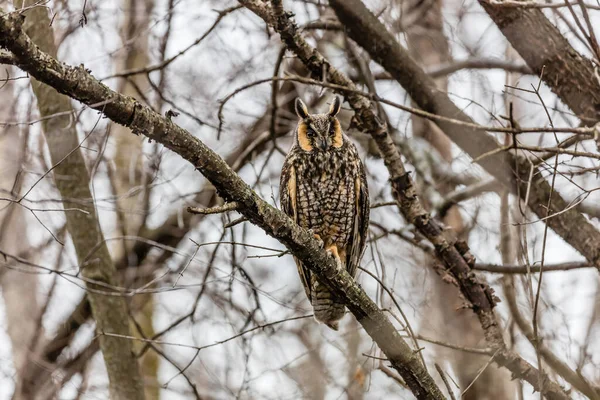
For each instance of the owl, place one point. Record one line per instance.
(323, 188)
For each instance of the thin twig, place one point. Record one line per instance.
(214, 210)
(443, 376)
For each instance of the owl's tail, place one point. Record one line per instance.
(328, 310)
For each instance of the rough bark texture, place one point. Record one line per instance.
(72, 180)
(363, 27)
(548, 53)
(79, 84)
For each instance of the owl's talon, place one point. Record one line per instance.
(333, 252)
(321, 243)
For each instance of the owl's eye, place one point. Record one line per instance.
(310, 133)
(332, 130)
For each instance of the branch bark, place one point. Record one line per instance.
(79, 84)
(6, 58)
(109, 312)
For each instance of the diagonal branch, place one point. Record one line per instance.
(80, 85)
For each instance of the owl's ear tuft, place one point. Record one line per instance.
(301, 109)
(334, 109)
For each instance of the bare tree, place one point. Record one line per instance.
(147, 147)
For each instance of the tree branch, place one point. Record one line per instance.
(450, 68)
(6, 57)
(526, 269)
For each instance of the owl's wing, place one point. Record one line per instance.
(360, 227)
(287, 199)
(287, 190)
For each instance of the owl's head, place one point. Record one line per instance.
(319, 132)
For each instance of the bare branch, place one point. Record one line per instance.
(214, 210)
(524, 269)
(6, 58)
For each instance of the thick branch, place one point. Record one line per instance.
(79, 84)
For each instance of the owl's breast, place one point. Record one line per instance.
(326, 195)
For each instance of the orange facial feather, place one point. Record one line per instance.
(303, 138)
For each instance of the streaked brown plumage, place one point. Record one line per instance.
(323, 187)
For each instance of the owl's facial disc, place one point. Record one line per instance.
(319, 134)
(335, 133)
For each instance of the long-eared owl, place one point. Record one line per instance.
(323, 187)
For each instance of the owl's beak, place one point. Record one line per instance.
(322, 143)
